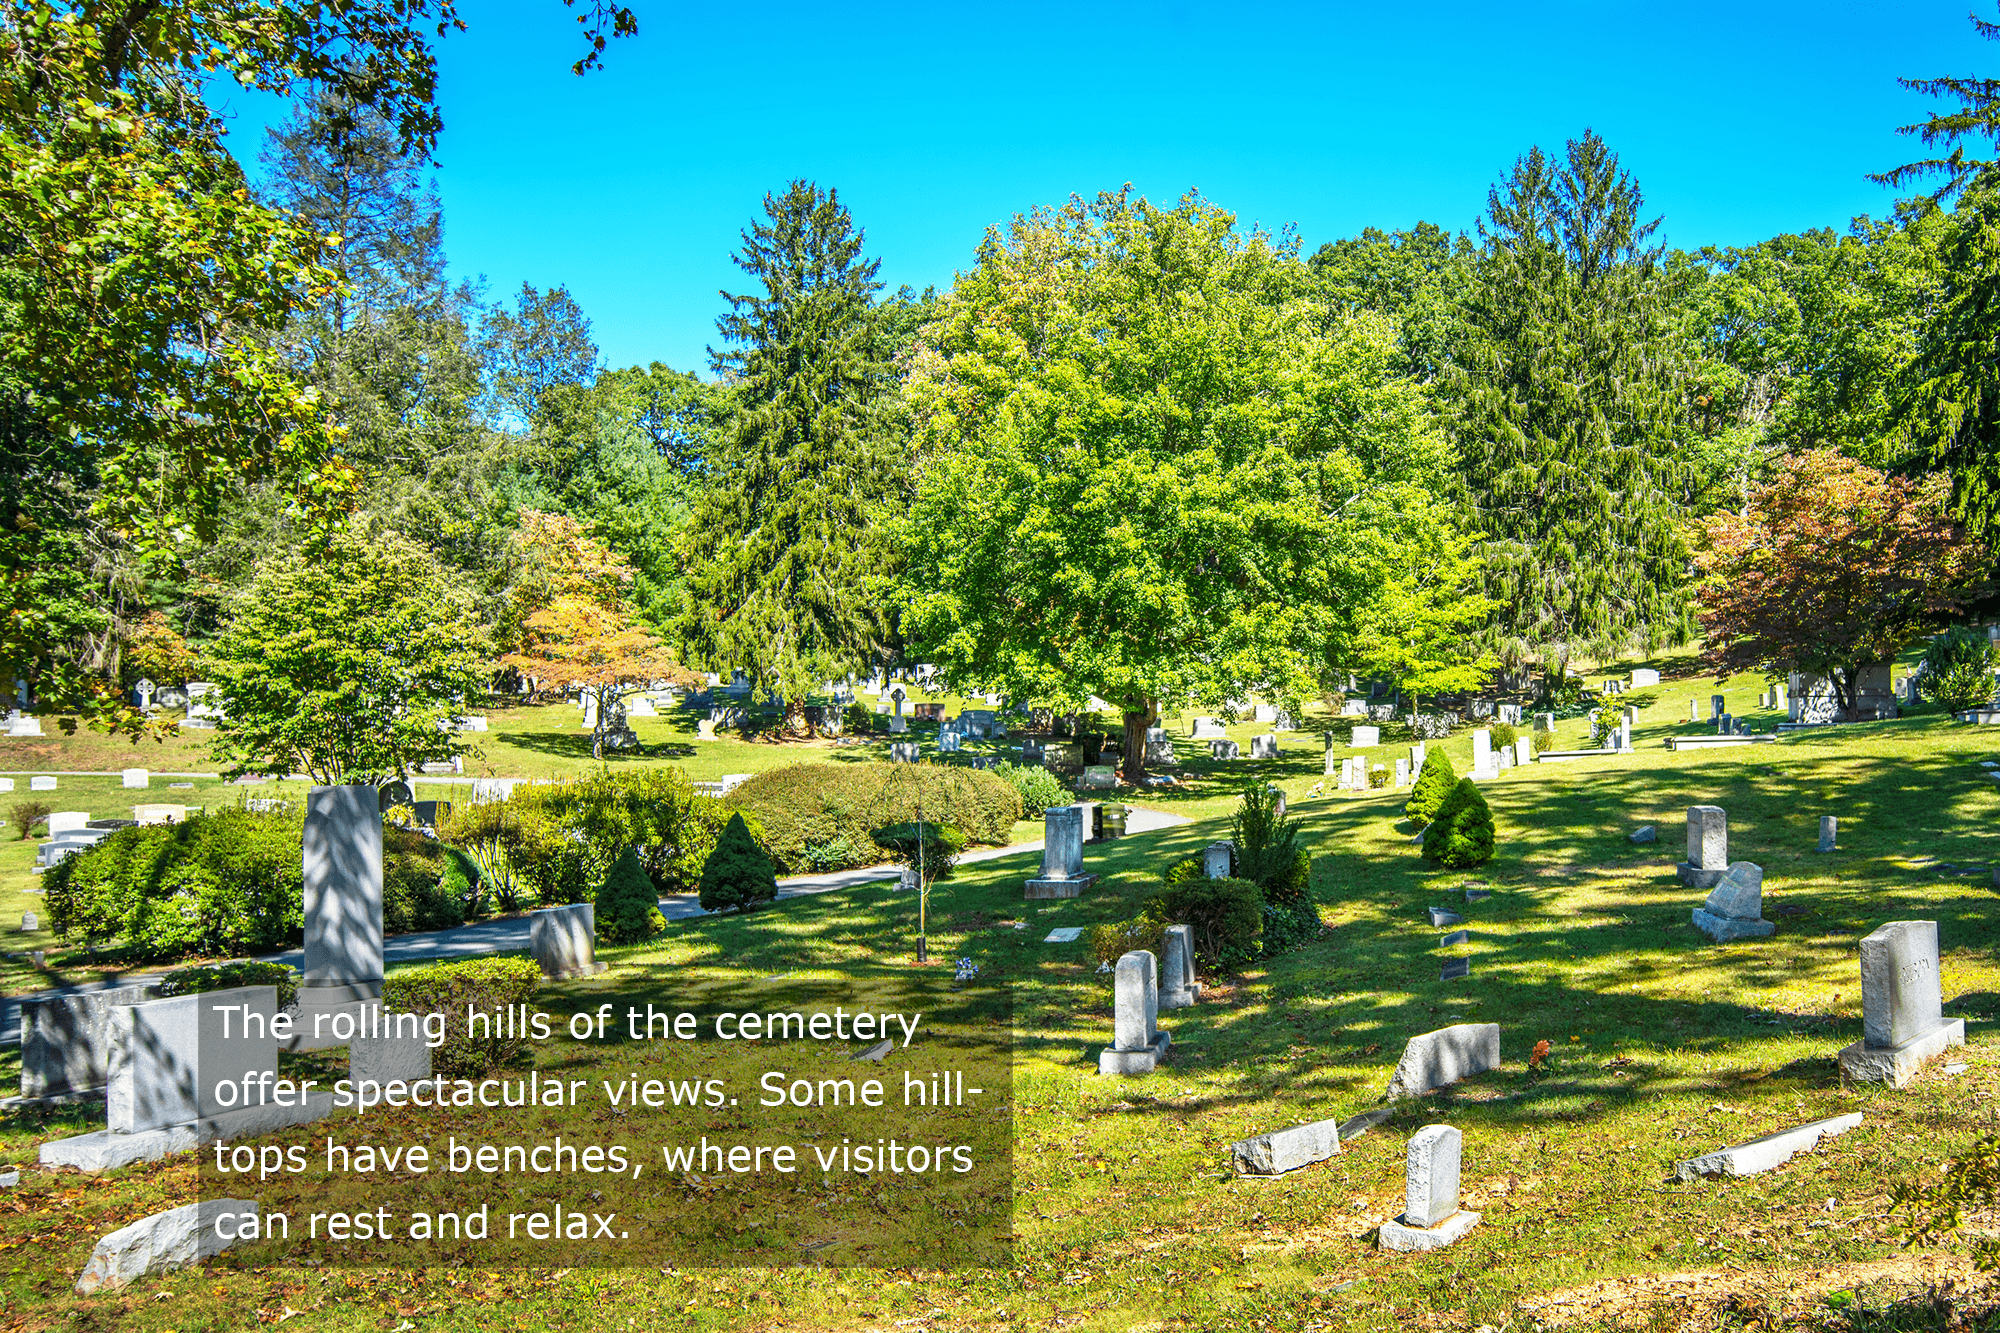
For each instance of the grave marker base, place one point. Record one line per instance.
(1072, 887)
(1180, 997)
(1397, 1236)
(103, 1150)
(1285, 1150)
(1895, 1065)
(1747, 1159)
(1722, 929)
(1111, 1060)
(1696, 878)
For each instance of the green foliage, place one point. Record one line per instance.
(413, 894)
(1183, 870)
(827, 806)
(202, 979)
(26, 816)
(1423, 631)
(1462, 834)
(1227, 916)
(1040, 789)
(347, 663)
(1435, 782)
(1112, 940)
(738, 875)
(1288, 925)
(930, 848)
(1544, 741)
(486, 985)
(220, 884)
(1571, 409)
(1958, 670)
(1504, 735)
(1268, 852)
(628, 906)
(1174, 471)
(783, 551)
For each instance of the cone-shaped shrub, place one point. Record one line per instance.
(737, 873)
(628, 906)
(1434, 783)
(1462, 833)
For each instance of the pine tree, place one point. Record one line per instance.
(1434, 783)
(784, 553)
(628, 905)
(1570, 410)
(1462, 834)
(737, 873)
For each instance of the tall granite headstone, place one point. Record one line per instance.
(1062, 855)
(1902, 1006)
(1707, 847)
(1137, 1042)
(342, 851)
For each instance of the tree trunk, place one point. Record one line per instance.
(1136, 723)
(1847, 689)
(795, 715)
(597, 731)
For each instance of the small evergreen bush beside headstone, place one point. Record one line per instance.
(1462, 834)
(487, 985)
(738, 875)
(628, 905)
(1434, 784)
(1227, 916)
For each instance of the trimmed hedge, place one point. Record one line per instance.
(1227, 916)
(226, 883)
(483, 984)
(1462, 834)
(413, 897)
(1039, 789)
(820, 815)
(201, 980)
(1433, 784)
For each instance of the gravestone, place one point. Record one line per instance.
(1032, 754)
(167, 1241)
(948, 742)
(1329, 770)
(1218, 860)
(1761, 1154)
(1062, 855)
(1707, 847)
(1456, 937)
(899, 725)
(142, 694)
(1402, 772)
(1545, 722)
(1364, 737)
(1285, 1150)
(1264, 747)
(1137, 1042)
(66, 1039)
(1455, 969)
(1264, 713)
(1642, 677)
(1443, 916)
(1438, 1059)
(1829, 832)
(1735, 908)
(1482, 753)
(1206, 729)
(42, 782)
(1224, 749)
(1524, 750)
(1098, 777)
(1510, 714)
(903, 752)
(342, 863)
(65, 821)
(6, 784)
(1693, 714)
(1092, 821)
(1716, 704)
(563, 941)
(1902, 1006)
(1431, 1216)
(1178, 988)
(134, 778)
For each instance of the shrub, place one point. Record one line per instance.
(486, 985)
(1226, 914)
(1378, 776)
(1433, 784)
(1039, 789)
(1112, 940)
(27, 814)
(934, 848)
(1462, 834)
(1503, 735)
(200, 980)
(821, 806)
(628, 906)
(413, 898)
(1288, 926)
(1958, 670)
(1183, 870)
(226, 883)
(738, 874)
(1544, 740)
(1267, 846)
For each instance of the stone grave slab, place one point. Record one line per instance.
(1433, 1060)
(1761, 1154)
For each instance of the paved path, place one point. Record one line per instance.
(510, 934)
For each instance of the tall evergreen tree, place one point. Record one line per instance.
(1570, 412)
(783, 552)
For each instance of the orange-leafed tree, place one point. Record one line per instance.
(571, 623)
(1832, 568)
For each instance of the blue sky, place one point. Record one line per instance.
(935, 121)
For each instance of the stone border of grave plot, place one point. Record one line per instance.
(1762, 1154)
(1716, 742)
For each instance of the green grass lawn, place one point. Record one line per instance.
(1126, 1214)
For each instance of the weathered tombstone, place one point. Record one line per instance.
(1098, 777)
(1642, 677)
(1902, 1006)
(1510, 714)
(1441, 916)
(6, 784)
(948, 742)
(1735, 908)
(1264, 713)
(1264, 747)
(142, 694)
(1218, 860)
(1829, 832)
(899, 725)
(66, 1039)
(64, 821)
(1693, 714)
(1365, 737)
(563, 941)
(1178, 988)
(42, 782)
(342, 865)
(1417, 753)
(134, 778)
(29, 921)
(1062, 855)
(1524, 750)
(902, 752)
(1761, 1154)
(1707, 847)
(1402, 772)
(1137, 1042)
(1455, 969)
(1438, 1059)
(1545, 722)
(1625, 735)
(1206, 729)
(166, 1241)
(1482, 753)
(1285, 1150)
(1716, 704)
(1329, 770)
(1224, 749)
(1431, 1216)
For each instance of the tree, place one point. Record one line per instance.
(1419, 278)
(737, 875)
(628, 906)
(1835, 567)
(1423, 630)
(1957, 670)
(540, 348)
(348, 662)
(784, 556)
(1570, 413)
(1435, 782)
(1154, 465)
(572, 626)
(1462, 834)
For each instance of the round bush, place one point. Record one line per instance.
(804, 813)
(628, 906)
(1957, 670)
(1039, 789)
(1462, 834)
(1227, 915)
(738, 874)
(453, 989)
(1434, 783)
(229, 976)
